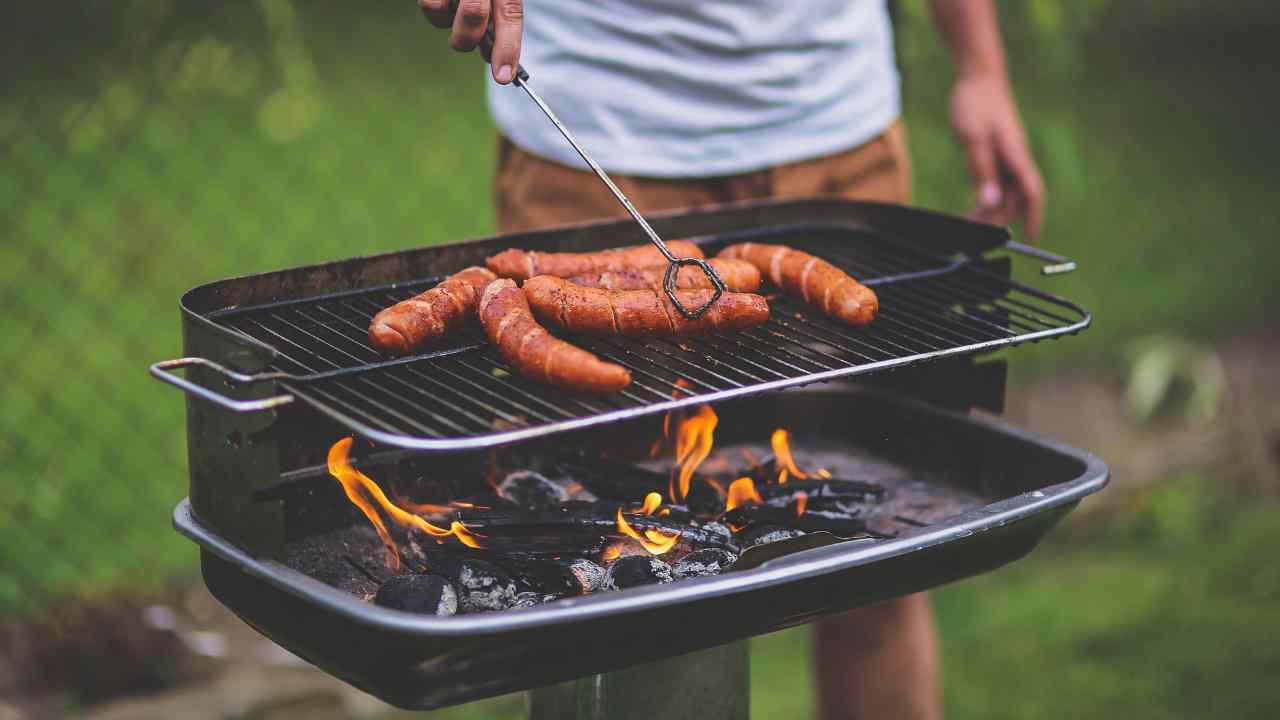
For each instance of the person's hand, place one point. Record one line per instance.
(1005, 176)
(468, 20)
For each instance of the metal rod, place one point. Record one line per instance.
(1058, 266)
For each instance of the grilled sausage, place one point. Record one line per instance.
(523, 264)
(738, 276)
(425, 318)
(820, 283)
(535, 353)
(636, 313)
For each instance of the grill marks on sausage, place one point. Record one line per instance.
(639, 313)
(738, 276)
(423, 319)
(815, 280)
(524, 264)
(535, 353)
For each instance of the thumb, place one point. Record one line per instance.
(986, 180)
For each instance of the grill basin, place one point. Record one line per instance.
(426, 662)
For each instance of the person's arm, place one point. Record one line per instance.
(984, 115)
(469, 22)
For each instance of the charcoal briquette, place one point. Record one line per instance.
(532, 490)
(483, 586)
(765, 534)
(700, 563)
(426, 594)
(636, 570)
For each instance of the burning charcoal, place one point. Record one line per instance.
(612, 479)
(559, 577)
(851, 492)
(598, 518)
(833, 521)
(532, 490)
(528, 600)
(427, 594)
(636, 570)
(483, 586)
(765, 534)
(700, 563)
(719, 530)
(703, 500)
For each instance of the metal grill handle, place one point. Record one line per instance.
(1059, 265)
(162, 371)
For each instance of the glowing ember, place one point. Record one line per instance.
(741, 492)
(360, 489)
(656, 542)
(694, 439)
(781, 442)
(802, 501)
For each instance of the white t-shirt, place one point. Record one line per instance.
(700, 88)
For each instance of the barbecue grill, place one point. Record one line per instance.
(278, 367)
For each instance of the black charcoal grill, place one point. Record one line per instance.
(278, 368)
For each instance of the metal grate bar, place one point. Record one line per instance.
(464, 395)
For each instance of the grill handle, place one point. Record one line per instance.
(1058, 265)
(163, 371)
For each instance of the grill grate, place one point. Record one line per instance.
(464, 395)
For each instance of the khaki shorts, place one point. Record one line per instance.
(530, 192)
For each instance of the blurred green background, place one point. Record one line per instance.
(147, 146)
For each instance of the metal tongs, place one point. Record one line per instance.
(521, 80)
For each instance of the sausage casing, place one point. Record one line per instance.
(523, 264)
(638, 313)
(820, 283)
(423, 319)
(536, 353)
(738, 276)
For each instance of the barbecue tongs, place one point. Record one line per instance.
(521, 80)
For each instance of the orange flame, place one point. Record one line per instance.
(611, 553)
(681, 385)
(652, 502)
(656, 542)
(694, 438)
(802, 502)
(741, 492)
(357, 485)
(781, 442)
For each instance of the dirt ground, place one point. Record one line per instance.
(232, 672)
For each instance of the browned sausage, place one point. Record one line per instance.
(425, 318)
(536, 353)
(738, 276)
(523, 264)
(637, 313)
(820, 283)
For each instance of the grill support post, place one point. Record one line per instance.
(712, 684)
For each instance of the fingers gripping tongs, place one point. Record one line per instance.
(521, 80)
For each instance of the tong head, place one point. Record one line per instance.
(669, 282)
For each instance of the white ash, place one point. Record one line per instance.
(527, 600)
(701, 563)
(590, 575)
(636, 570)
(426, 594)
(719, 529)
(532, 490)
(771, 535)
(484, 587)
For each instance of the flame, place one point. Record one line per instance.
(802, 501)
(741, 492)
(652, 502)
(611, 553)
(656, 542)
(358, 485)
(681, 385)
(694, 439)
(824, 473)
(781, 442)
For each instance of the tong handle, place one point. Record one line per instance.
(163, 371)
(1058, 264)
(486, 45)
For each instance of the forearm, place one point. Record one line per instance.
(972, 31)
